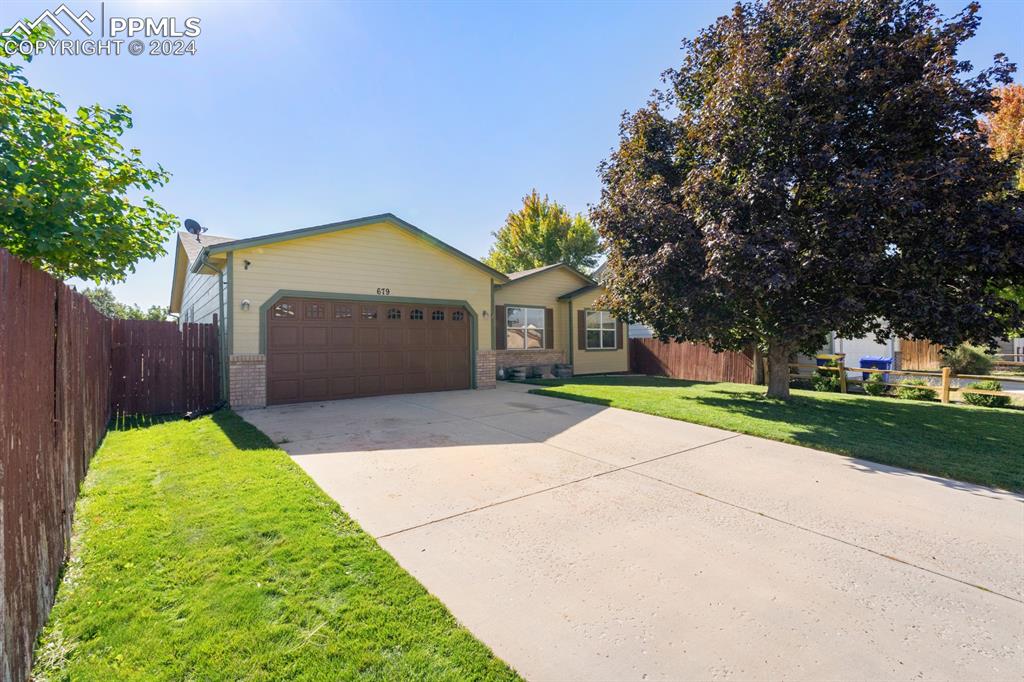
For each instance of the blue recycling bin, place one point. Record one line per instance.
(875, 362)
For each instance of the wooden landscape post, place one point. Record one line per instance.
(945, 384)
(841, 361)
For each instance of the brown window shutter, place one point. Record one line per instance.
(500, 337)
(549, 328)
(581, 330)
(621, 336)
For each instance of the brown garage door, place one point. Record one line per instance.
(321, 349)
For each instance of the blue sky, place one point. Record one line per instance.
(446, 114)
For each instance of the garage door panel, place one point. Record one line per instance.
(342, 387)
(436, 361)
(342, 336)
(344, 361)
(314, 362)
(282, 390)
(392, 360)
(314, 336)
(416, 382)
(369, 384)
(326, 349)
(283, 336)
(368, 336)
(314, 388)
(368, 360)
(392, 336)
(393, 383)
(283, 363)
(457, 360)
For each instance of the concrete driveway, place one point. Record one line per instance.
(582, 542)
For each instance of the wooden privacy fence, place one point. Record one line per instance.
(157, 368)
(920, 355)
(693, 361)
(59, 382)
(54, 407)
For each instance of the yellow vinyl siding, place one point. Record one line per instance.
(542, 291)
(355, 261)
(596, 361)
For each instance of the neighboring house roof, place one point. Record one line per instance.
(599, 273)
(523, 274)
(389, 218)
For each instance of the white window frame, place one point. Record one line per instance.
(605, 323)
(526, 326)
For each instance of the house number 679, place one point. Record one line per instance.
(383, 291)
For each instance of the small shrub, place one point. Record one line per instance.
(911, 389)
(874, 385)
(968, 359)
(825, 380)
(983, 400)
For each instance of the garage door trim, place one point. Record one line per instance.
(292, 293)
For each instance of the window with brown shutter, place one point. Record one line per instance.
(499, 327)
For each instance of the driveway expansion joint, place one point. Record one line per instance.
(553, 487)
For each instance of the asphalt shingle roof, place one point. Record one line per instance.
(193, 247)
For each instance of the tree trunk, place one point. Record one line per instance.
(778, 371)
(758, 362)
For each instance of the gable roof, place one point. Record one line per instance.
(193, 247)
(523, 274)
(389, 218)
(576, 292)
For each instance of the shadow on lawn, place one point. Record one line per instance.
(241, 433)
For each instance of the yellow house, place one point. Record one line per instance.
(377, 306)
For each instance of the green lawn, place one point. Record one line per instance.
(975, 444)
(201, 552)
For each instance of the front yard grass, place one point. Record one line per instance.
(201, 551)
(978, 445)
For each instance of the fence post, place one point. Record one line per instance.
(945, 384)
(841, 360)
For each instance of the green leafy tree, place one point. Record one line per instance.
(541, 233)
(104, 301)
(816, 166)
(1004, 129)
(65, 182)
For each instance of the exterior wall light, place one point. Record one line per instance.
(245, 304)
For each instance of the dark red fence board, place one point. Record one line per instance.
(158, 368)
(63, 368)
(693, 361)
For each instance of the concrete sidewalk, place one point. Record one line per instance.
(583, 542)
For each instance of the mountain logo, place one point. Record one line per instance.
(25, 27)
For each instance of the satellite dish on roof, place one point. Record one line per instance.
(194, 227)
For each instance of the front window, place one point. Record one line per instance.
(601, 329)
(524, 328)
